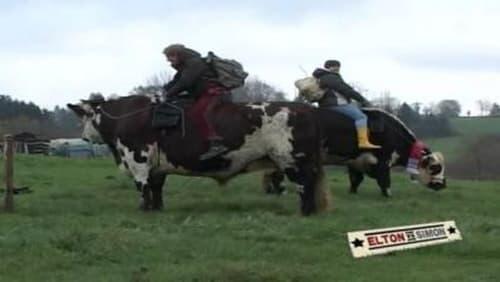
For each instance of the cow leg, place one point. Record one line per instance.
(272, 182)
(314, 193)
(146, 203)
(355, 177)
(384, 180)
(156, 183)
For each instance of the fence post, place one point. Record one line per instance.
(9, 172)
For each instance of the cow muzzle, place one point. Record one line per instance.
(437, 185)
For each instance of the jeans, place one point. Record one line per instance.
(353, 112)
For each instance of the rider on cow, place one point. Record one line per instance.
(198, 79)
(338, 97)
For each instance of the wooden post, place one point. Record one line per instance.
(9, 172)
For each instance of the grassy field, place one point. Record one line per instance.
(468, 130)
(82, 224)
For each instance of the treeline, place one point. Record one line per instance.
(19, 116)
(426, 125)
(432, 120)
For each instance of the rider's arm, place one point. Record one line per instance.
(336, 83)
(171, 83)
(192, 71)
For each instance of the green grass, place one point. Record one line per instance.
(477, 126)
(82, 224)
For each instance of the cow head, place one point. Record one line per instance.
(431, 170)
(90, 116)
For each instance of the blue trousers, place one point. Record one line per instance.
(353, 112)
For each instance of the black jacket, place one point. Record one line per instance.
(333, 82)
(193, 73)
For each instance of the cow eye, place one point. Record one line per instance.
(425, 162)
(435, 169)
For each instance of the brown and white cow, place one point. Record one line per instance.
(282, 136)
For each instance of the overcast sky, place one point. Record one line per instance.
(54, 52)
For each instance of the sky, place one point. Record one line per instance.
(56, 52)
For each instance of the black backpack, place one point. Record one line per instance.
(229, 72)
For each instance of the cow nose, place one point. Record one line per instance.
(437, 185)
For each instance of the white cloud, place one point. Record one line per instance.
(90, 49)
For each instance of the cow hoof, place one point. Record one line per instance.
(143, 206)
(353, 191)
(387, 193)
(157, 209)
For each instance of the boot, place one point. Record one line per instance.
(216, 148)
(363, 142)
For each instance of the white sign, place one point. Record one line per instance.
(382, 241)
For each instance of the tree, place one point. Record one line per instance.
(417, 107)
(449, 108)
(408, 115)
(387, 102)
(484, 106)
(495, 110)
(256, 90)
(153, 85)
(429, 110)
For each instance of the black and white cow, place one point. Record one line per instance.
(277, 136)
(399, 147)
(397, 143)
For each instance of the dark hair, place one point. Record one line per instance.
(332, 63)
(173, 49)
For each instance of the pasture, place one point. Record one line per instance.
(468, 130)
(82, 224)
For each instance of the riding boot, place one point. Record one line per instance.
(216, 148)
(363, 142)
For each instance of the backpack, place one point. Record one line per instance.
(229, 72)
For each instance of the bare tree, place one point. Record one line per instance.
(153, 86)
(484, 106)
(159, 79)
(387, 102)
(256, 90)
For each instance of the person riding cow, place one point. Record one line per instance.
(195, 76)
(338, 96)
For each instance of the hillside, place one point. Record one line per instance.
(468, 130)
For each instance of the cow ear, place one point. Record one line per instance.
(77, 109)
(425, 162)
(93, 102)
(439, 156)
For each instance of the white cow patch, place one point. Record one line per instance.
(89, 131)
(272, 138)
(154, 98)
(261, 107)
(139, 171)
(97, 119)
(394, 159)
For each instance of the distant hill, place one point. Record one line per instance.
(477, 125)
(473, 153)
(469, 129)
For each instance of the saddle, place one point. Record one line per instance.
(170, 114)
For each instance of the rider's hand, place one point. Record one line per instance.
(365, 104)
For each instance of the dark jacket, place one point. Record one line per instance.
(332, 82)
(193, 74)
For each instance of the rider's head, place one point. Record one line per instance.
(332, 65)
(174, 53)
